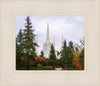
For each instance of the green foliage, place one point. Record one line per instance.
(19, 47)
(47, 68)
(19, 38)
(39, 67)
(21, 63)
(63, 59)
(42, 54)
(58, 53)
(26, 42)
(52, 55)
(71, 46)
(69, 68)
(29, 41)
(43, 68)
(70, 55)
(21, 68)
(26, 58)
(82, 58)
(53, 62)
(66, 59)
(19, 50)
(76, 49)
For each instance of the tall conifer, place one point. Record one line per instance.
(52, 55)
(42, 53)
(29, 41)
(63, 59)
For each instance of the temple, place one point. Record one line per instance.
(47, 44)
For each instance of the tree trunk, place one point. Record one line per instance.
(28, 64)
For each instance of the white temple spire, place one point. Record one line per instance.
(47, 44)
(48, 39)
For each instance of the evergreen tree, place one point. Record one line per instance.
(70, 55)
(63, 59)
(71, 46)
(19, 49)
(76, 49)
(29, 41)
(20, 37)
(52, 55)
(42, 54)
(58, 53)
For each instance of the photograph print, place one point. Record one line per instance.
(50, 43)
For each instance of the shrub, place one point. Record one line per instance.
(21, 68)
(47, 68)
(39, 67)
(39, 59)
(42, 61)
(69, 68)
(53, 62)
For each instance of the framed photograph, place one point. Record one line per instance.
(54, 43)
(49, 43)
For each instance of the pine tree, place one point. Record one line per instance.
(52, 55)
(19, 39)
(42, 54)
(70, 55)
(71, 46)
(29, 41)
(19, 47)
(63, 59)
(76, 49)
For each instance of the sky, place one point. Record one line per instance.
(71, 28)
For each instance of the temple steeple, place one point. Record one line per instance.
(47, 44)
(48, 39)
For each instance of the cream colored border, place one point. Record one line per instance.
(89, 9)
(48, 0)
